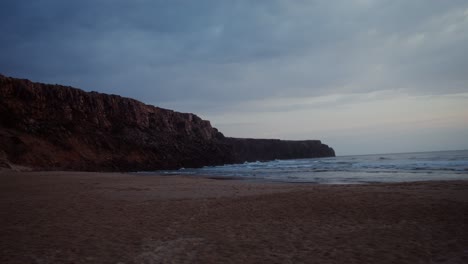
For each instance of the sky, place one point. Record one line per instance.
(363, 76)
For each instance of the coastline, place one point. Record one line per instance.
(90, 217)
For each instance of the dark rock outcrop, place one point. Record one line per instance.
(59, 127)
(249, 149)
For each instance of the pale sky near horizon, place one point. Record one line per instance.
(363, 76)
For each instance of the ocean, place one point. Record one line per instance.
(401, 167)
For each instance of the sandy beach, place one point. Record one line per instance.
(78, 217)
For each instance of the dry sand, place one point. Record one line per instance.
(75, 217)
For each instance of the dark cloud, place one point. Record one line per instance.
(211, 52)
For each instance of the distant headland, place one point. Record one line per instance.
(56, 127)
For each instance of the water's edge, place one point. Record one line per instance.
(402, 167)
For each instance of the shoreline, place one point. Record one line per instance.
(90, 217)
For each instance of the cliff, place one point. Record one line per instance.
(59, 127)
(248, 149)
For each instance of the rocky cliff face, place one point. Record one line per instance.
(58, 127)
(248, 149)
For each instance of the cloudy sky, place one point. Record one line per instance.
(364, 76)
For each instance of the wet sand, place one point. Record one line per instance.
(77, 217)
